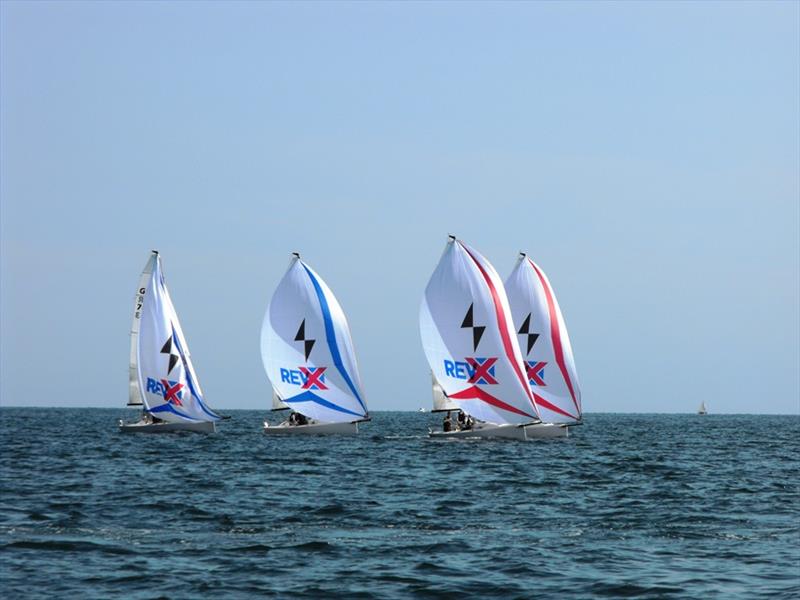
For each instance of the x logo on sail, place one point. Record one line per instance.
(172, 391)
(535, 372)
(482, 370)
(313, 378)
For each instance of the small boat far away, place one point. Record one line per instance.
(470, 342)
(308, 356)
(162, 379)
(702, 410)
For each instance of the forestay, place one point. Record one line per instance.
(469, 340)
(307, 349)
(165, 379)
(544, 343)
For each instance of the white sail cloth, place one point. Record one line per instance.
(165, 381)
(544, 343)
(441, 402)
(470, 341)
(307, 349)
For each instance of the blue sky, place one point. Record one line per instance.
(645, 155)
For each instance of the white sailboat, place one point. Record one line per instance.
(162, 380)
(470, 343)
(544, 343)
(702, 410)
(309, 357)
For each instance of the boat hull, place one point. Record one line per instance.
(538, 431)
(312, 429)
(142, 427)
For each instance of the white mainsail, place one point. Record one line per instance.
(544, 343)
(441, 402)
(307, 349)
(277, 403)
(165, 381)
(469, 339)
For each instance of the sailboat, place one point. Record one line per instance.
(471, 347)
(162, 380)
(702, 410)
(544, 343)
(309, 357)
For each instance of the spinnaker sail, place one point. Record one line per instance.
(470, 341)
(162, 377)
(307, 349)
(544, 343)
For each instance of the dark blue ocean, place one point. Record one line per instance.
(667, 506)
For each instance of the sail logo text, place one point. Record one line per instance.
(171, 391)
(474, 370)
(308, 378)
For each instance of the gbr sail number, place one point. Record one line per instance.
(137, 313)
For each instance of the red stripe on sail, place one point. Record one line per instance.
(555, 334)
(542, 402)
(501, 321)
(476, 392)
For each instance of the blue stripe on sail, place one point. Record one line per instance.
(170, 408)
(312, 397)
(189, 379)
(330, 334)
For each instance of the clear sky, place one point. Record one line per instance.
(646, 155)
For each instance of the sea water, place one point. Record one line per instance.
(681, 506)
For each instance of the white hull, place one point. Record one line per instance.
(142, 427)
(538, 431)
(312, 429)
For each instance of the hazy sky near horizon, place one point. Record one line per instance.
(646, 155)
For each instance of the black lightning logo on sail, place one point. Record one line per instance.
(301, 337)
(173, 358)
(477, 330)
(526, 330)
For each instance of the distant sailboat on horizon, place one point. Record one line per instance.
(702, 410)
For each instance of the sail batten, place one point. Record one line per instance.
(544, 343)
(468, 337)
(307, 349)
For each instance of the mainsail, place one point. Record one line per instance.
(544, 343)
(441, 402)
(161, 371)
(307, 350)
(277, 403)
(469, 339)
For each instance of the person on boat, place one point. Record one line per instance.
(447, 425)
(293, 419)
(462, 421)
(301, 419)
